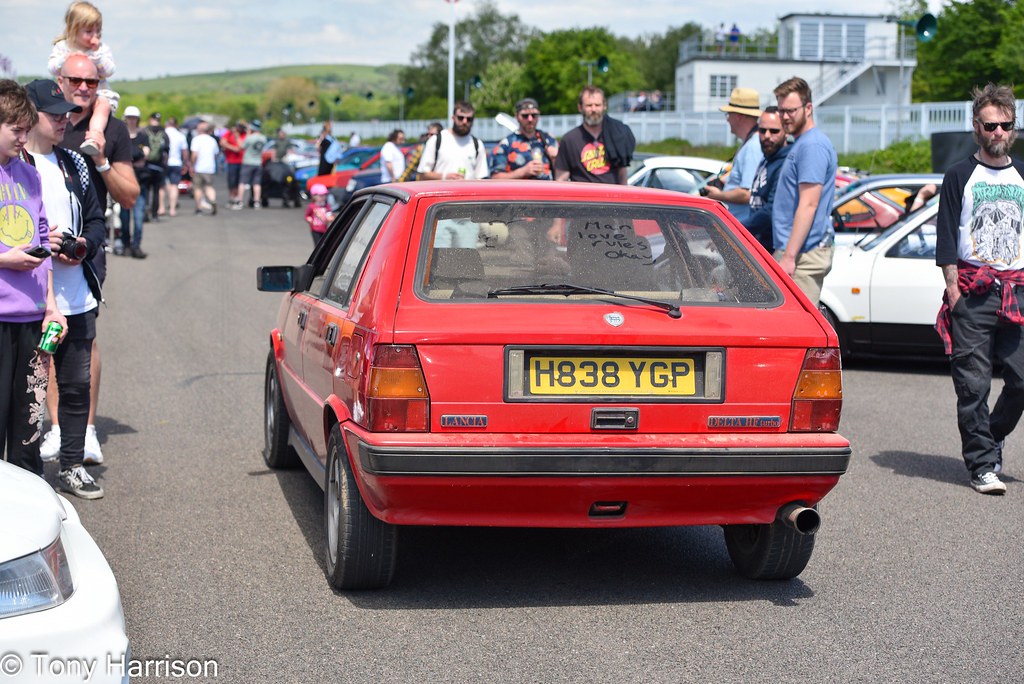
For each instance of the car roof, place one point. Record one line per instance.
(549, 191)
(670, 161)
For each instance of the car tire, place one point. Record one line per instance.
(768, 552)
(277, 453)
(360, 549)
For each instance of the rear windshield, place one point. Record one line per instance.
(675, 254)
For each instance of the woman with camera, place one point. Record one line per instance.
(77, 231)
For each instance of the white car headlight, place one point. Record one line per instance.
(35, 582)
(351, 186)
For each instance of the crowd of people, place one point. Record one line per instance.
(63, 151)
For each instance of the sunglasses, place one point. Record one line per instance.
(90, 83)
(529, 115)
(460, 117)
(991, 126)
(773, 131)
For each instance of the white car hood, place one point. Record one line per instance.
(30, 513)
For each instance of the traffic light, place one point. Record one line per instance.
(602, 64)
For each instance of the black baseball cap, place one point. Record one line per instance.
(47, 96)
(527, 103)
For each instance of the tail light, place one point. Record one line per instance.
(396, 396)
(818, 397)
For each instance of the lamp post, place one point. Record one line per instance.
(924, 30)
(601, 63)
(475, 82)
(451, 59)
(404, 95)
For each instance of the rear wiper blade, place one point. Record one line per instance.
(568, 289)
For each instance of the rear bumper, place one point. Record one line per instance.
(557, 485)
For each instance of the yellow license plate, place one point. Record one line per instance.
(596, 376)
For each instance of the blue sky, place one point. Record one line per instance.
(151, 39)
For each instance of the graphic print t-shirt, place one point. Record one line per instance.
(583, 156)
(981, 215)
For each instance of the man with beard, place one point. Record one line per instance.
(454, 154)
(980, 319)
(762, 192)
(583, 155)
(527, 153)
(802, 214)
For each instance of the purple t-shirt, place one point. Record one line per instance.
(22, 222)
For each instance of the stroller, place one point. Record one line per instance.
(279, 182)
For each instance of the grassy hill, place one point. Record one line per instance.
(344, 78)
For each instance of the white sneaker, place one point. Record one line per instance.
(93, 453)
(49, 450)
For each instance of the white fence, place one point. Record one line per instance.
(851, 129)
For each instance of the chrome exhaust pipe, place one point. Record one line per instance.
(800, 518)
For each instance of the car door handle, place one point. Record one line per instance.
(302, 319)
(332, 334)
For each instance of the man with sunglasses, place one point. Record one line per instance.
(529, 152)
(774, 149)
(111, 168)
(454, 154)
(980, 249)
(802, 214)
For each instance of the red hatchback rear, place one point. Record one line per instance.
(551, 355)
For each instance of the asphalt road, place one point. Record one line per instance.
(915, 577)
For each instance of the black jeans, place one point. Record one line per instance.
(23, 375)
(73, 360)
(979, 338)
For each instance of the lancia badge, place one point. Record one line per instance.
(614, 319)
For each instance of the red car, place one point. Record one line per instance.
(340, 178)
(541, 354)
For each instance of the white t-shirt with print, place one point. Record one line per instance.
(456, 153)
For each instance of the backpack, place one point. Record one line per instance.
(334, 151)
(157, 143)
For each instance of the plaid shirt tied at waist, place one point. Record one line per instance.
(975, 280)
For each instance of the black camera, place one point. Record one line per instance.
(71, 247)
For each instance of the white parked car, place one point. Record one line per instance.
(884, 292)
(681, 174)
(60, 609)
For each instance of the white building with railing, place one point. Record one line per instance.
(846, 59)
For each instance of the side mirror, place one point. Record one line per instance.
(284, 278)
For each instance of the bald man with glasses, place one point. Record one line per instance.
(454, 153)
(111, 167)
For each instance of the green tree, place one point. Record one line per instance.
(502, 87)
(481, 40)
(973, 44)
(555, 74)
(657, 55)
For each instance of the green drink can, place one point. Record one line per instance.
(51, 337)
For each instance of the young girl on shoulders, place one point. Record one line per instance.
(83, 28)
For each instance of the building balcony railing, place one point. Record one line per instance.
(767, 49)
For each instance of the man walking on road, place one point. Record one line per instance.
(204, 164)
(802, 215)
(980, 248)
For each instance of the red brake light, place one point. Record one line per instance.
(396, 397)
(818, 397)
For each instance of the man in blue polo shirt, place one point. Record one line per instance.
(802, 215)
